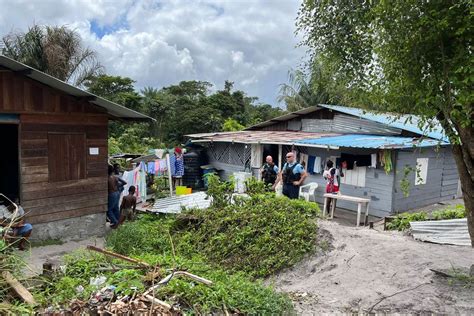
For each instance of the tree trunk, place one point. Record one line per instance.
(464, 161)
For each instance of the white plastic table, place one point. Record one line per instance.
(358, 200)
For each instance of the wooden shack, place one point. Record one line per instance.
(54, 157)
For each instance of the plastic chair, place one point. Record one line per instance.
(308, 190)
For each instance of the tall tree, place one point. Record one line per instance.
(55, 50)
(410, 57)
(308, 89)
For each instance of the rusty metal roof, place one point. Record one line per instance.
(259, 137)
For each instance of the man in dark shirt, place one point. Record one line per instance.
(292, 175)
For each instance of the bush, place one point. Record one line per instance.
(259, 236)
(402, 221)
(148, 234)
(459, 211)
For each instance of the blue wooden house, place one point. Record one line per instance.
(396, 162)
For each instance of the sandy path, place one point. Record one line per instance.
(366, 265)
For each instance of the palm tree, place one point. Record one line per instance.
(55, 50)
(303, 90)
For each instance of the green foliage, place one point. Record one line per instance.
(231, 125)
(141, 236)
(459, 211)
(127, 281)
(55, 50)
(259, 236)
(402, 221)
(253, 186)
(161, 187)
(220, 191)
(405, 183)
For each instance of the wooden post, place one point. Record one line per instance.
(280, 158)
(170, 179)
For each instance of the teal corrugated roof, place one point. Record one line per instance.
(372, 141)
(409, 123)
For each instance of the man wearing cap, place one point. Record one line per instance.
(292, 175)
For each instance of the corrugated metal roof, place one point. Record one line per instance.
(450, 232)
(174, 205)
(256, 137)
(406, 122)
(372, 141)
(285, 117)
(112, 108)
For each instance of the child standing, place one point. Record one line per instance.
(128, 206)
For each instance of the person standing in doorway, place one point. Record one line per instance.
(292, 175)
(332, 175)
(269, 172)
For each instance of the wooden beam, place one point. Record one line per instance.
(19, 289)
(119, 256)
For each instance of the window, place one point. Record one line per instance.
(421, 171)
(355, 176)
(66, 157)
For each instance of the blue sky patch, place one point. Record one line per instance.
(102, 30)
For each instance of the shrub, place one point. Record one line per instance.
(259, 236)
(402, 221)
(459, 211)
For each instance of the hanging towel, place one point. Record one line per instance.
(317, 165)
(311, 160)
(157, 167)
(142, 185)
(179, 166)
(373, 160)
(159, 153)
(143, 166)
(172, 165)
(151, 167)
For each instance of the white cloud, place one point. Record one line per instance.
(163, 42)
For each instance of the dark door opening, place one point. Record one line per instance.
(271, 150)
(9, 162)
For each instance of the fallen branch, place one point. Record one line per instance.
(119, 256)
(177, 273)
(388, 296)
(194, 277)
(19, 289)
(158, 302)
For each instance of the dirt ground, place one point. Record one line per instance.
(36, 256)
(362, 266)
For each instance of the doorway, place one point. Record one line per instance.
(271, 150)
(9, 162)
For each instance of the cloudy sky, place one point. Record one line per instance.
(157, 43)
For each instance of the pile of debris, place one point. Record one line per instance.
(106, 301)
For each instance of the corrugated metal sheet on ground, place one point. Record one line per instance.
(174, 205)
(372, 141)
(449, 232)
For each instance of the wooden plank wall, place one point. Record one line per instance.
(431, 192)
(44, 110)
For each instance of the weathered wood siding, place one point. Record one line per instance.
(45, 111)
(441, 182)
(378, 185)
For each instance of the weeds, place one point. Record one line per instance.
(402, 221)
(458, 211)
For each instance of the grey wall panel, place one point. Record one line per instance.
(378, 185)
(440, 184)
(347, 124)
